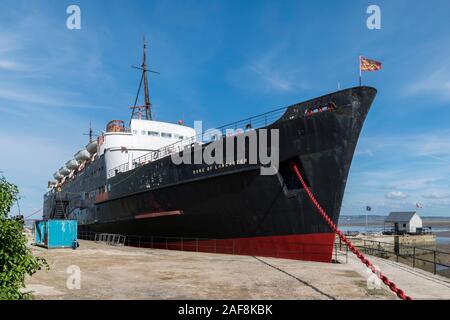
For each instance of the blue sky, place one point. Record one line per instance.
(225, 60)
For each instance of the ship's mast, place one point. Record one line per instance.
(148, 114)
(136, 110)
(90, 133)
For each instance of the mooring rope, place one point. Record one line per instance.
(399, 292)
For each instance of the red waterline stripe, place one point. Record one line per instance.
(158, 214)
(309, 247)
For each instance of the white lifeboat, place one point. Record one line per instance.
(92, 147)
(82, 155)
(64, 171)
(51, 183)
(72, 164)
(58, 176)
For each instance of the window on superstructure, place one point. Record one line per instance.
(143, 132)
(153, 133)
(135, 132)
(177, 136)
(166, 135)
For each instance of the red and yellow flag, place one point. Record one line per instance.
(369, 65)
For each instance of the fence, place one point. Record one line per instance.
(110, 239)
(119, 169)
(224, 246)
(427, 259)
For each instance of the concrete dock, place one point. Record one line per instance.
(417, 283)
(108, 272)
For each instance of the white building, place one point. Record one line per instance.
(409, 222)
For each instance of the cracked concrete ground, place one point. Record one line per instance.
(109, 272)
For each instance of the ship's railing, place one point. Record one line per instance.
(426, 258)
(229, 129)
(164, 152)
(224, 246)
(110, 239)
(115, 171)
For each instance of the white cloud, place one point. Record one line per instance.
(434, 145)
(436, 83)
(396, 195)
(43, 83)
(364, 152)
(43, 96)
(436, 195)
(271, 70)
(415, 166)
(412, 183)
(30, 160)
(10, 65)
(8, 42)
(271, 78)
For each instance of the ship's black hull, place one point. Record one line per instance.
(267, 215)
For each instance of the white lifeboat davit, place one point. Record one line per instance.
(92, 147)
(72, 164)
(82, 155)
(58, 176)
(64, 171)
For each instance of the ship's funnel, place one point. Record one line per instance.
(72, 164)
(82, 155)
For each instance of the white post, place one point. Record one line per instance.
(367, 225)
(360, 71)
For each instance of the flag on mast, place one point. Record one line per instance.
(367, 65)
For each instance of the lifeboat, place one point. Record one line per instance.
(92, 147)
(51, 184)
(64, 171)
(72, 164)
(58, 176)
(82, 155)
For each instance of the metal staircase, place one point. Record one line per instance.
(60, 209)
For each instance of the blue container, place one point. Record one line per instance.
(56, 233)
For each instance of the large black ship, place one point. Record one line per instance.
(126, 181)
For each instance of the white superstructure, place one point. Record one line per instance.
(123, 146)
